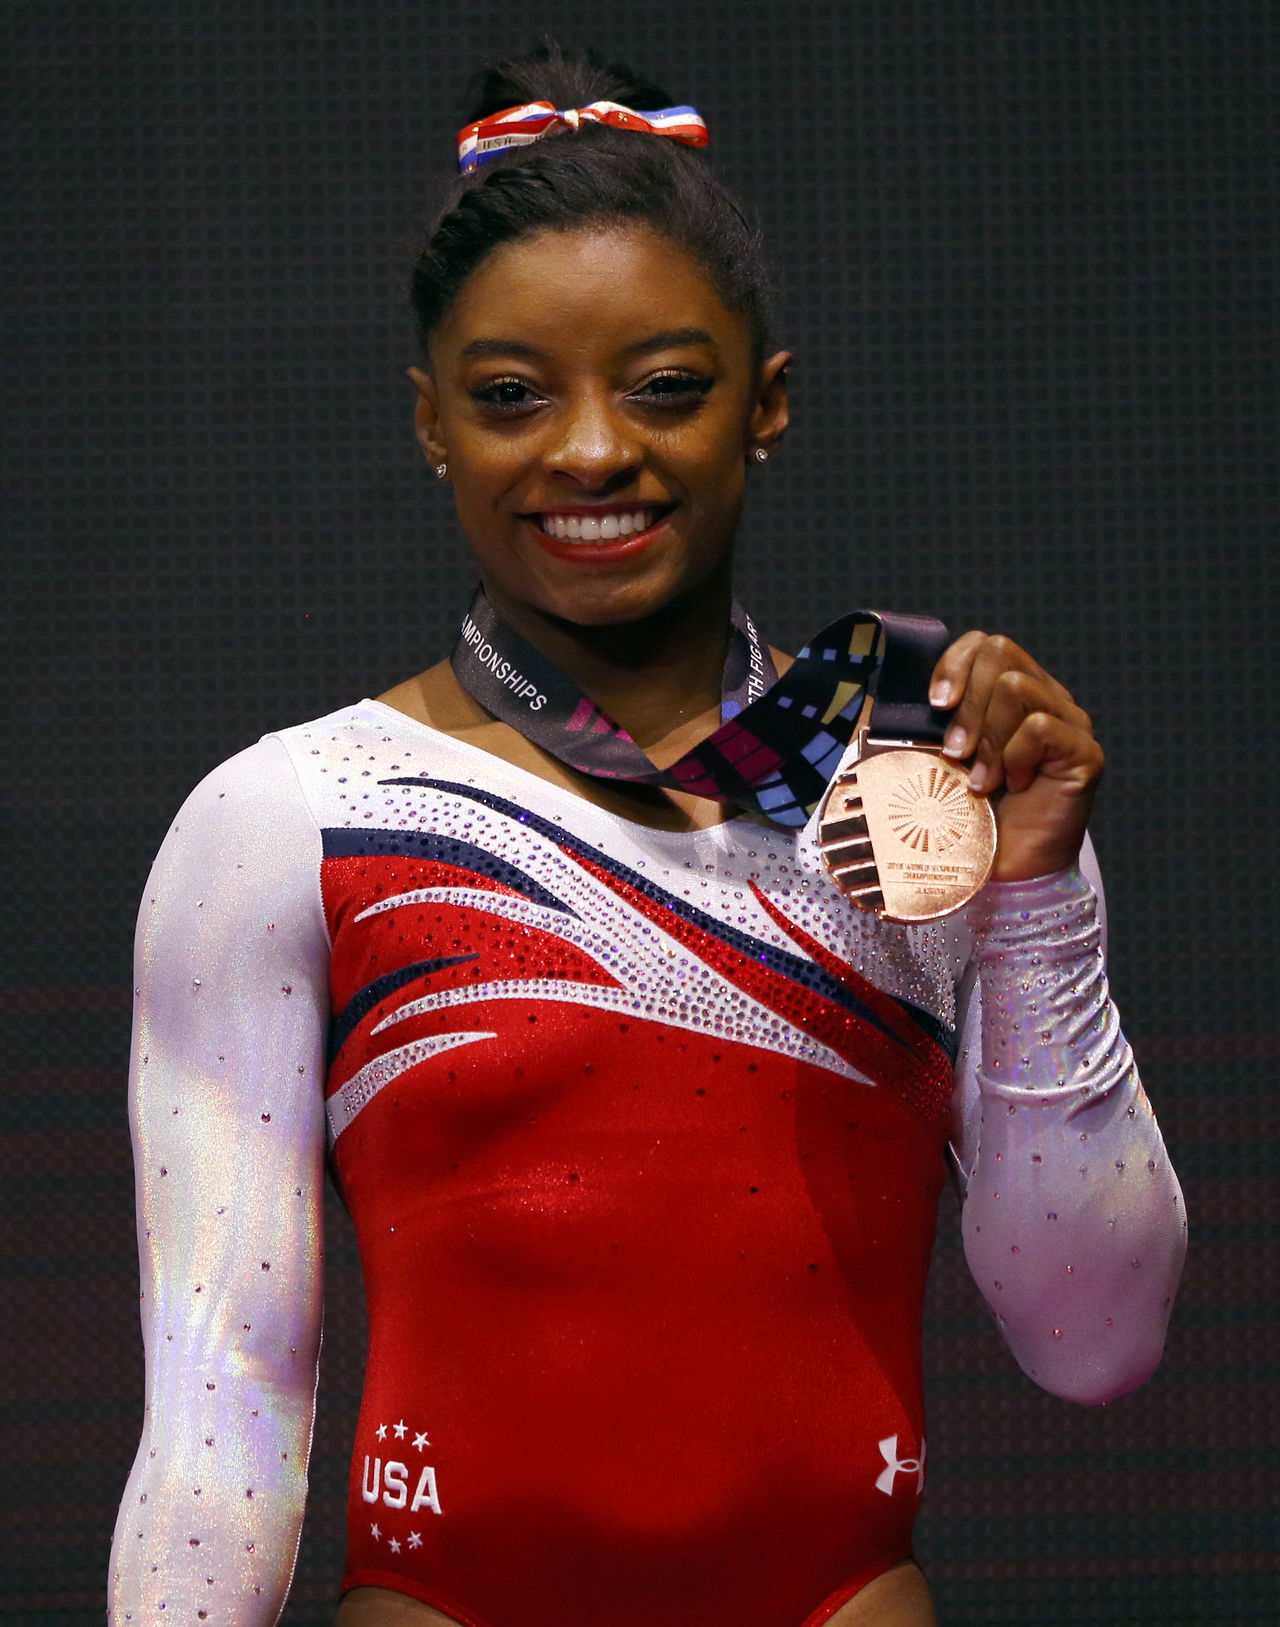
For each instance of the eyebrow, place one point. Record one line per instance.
(665, 340)
(498, 347)
(669, 338)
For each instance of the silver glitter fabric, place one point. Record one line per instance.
(1073, 1222)
(1071, 1204)
(231, 1004)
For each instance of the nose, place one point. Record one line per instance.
(595, 443)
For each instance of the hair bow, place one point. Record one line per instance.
(517, 126)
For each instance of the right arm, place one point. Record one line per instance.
(1074, 1226)
(227, 1113)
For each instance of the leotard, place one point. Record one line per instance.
(642, 1133)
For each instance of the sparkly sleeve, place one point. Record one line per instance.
(226, 1092)
(1073, 1221)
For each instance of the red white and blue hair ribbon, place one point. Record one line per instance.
(517, 126)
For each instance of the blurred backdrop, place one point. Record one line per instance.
(1027, 263)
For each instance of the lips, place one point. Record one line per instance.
(599, 535)
(595, 526)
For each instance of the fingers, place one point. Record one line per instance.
(1014, 699)
(968, 667)
(997, 689)
(1048, 747)
(1052, 772)
(974, 663)
(990, 661)
(1023, 733)
(951, 675)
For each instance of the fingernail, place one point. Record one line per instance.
(940, 694)
(978, 777)
(953, 745)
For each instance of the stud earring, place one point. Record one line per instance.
(442, 469)
(761, 455)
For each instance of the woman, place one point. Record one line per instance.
(642, 1125)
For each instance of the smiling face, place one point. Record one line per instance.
(597, 405)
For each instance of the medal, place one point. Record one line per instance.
(900, 832)
(903, 836)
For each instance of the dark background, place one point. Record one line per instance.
(1027, 257)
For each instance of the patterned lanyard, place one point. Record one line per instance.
(780, 741)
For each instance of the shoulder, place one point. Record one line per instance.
(274, 775)
(240, 865)
(268, 807)
(253, 824)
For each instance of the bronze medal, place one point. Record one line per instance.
(903, 836)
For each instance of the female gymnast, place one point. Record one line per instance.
(641, 1123)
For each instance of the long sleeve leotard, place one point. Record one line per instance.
(642, 1133)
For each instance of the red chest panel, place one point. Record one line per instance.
(645, 1205)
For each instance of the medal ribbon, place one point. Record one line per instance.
(779, 742)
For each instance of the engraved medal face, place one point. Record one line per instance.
(903, 836)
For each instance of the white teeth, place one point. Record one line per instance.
(586, 528)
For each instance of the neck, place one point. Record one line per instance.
(655, 676)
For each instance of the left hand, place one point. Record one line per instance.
(1032, 751)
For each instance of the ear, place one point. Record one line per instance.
(426, 416)
(771, 412)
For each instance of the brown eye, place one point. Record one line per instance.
(503, 395)
(674, 390)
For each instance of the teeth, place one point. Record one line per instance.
(586, 528)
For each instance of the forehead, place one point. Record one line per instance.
(590, 291)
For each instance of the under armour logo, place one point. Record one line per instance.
(896, 1466)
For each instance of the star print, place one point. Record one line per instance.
(382, 1432)
(401, 1429)
(375, 1533)
(420, 1440)
(415, 1541)
(394, 1546)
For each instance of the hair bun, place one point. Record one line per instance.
(600, 177)
(566, 78)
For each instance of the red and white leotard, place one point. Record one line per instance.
(642, 1133)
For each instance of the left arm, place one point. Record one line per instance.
(1073, 1222)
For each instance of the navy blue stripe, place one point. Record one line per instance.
(794, 967)
(419, 844)
(946, 1039)
(363, 1002)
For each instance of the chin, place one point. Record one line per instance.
(614, 604)
(619, 600)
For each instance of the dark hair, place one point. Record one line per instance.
(593, 175)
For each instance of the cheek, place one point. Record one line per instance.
(483, 460)
(714, 461)
(482, 481)
(721, 476)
